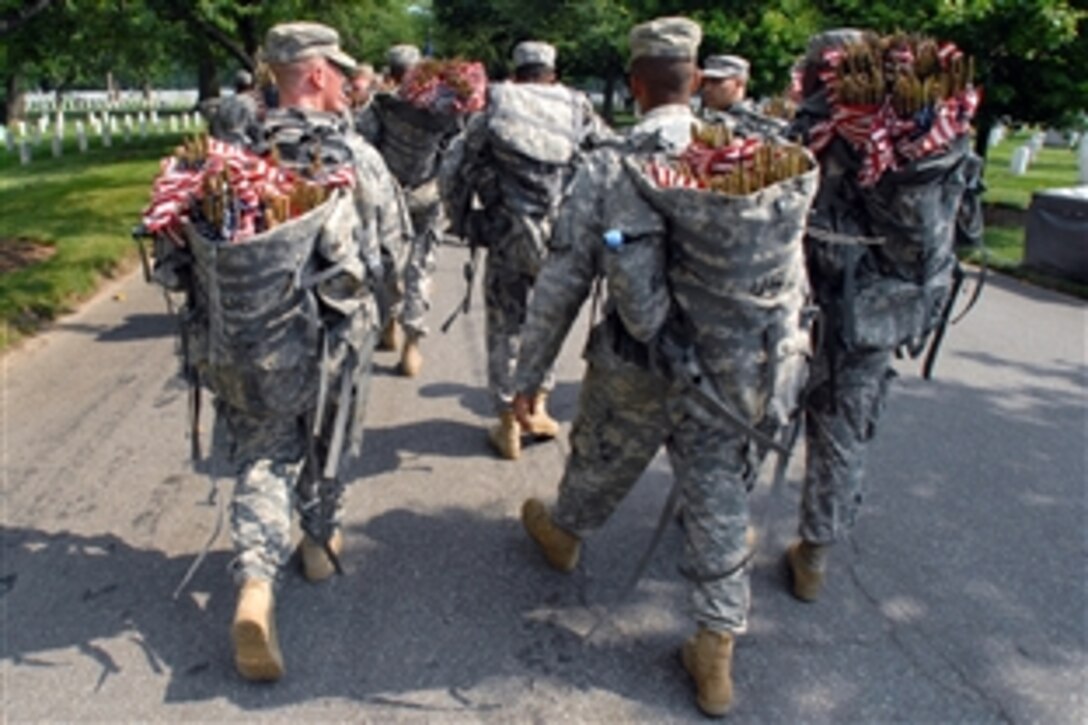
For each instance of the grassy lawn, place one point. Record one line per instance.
(1008, 198)
(84, 207)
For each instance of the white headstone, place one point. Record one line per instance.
(81, 137)
(185, 121)
(58, 147)
(107, 134)
(143, 127)
(21, 125)
(37, 134)
(9, 139)
(4, 134)
(43, 123)
(128, 122)
(173, 123)
(24, 151)
(1021, 157)
(997, 135)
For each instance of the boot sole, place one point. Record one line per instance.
(256, 656)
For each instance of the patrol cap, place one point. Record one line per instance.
(725, 66)
(292, 42)
(403, 56)
(672, 37)
(534, 52)
(836, 38)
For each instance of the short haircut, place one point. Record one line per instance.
(289, 75)
(533, 73)
(664, 78)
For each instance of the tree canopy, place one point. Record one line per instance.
(1030, 55)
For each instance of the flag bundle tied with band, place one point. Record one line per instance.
(889, 121)
(453, 86)
(895, 100)
(230, 194)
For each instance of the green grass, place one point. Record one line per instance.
(85, 206)
(1052, 168)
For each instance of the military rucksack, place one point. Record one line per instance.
(256, 313)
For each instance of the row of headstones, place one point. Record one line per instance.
(104, 126)
(1024, 155)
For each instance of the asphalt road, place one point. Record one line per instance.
(961, 596)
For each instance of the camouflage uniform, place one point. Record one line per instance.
(236, 120)
(744, 118)
(629, 405)
(274, 472)
(876, 299)
(520, 190)
(412, 140)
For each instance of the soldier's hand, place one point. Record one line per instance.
(524, 409)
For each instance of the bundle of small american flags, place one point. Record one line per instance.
(231, 194)
(446, 86)
(717, 161)
(895, 100)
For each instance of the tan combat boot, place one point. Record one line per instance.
(708, 658)
(542, 425)
(388, 342)
(316, 564)
(506, 436)
(806, 566)
(561, 548)
(411, 359)
(256, 648)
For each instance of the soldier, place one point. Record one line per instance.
(724, 94)
(412, 141)
(236, 118)
(516, 157)
(743, 325)
(287, 350)
(881, 261)
(362, 87)
(725, 82)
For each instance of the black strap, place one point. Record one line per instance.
(958, 276)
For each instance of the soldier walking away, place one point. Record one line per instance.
(236, 118)
(879, 250)
(702, 345)
(412, 140)
(280, 318)
(502, 184)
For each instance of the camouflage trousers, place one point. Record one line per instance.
(428, 222)
(273, 477)
(625, 414)
(508, 282)
(846, 396)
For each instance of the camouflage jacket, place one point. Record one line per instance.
(517, 154)
(600, 196)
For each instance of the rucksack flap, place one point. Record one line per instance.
(541, 122)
